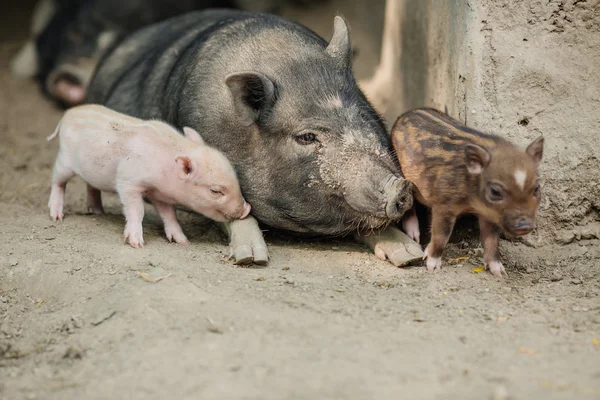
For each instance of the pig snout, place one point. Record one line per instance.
(522, 226)
(69, 82)
(398, 195)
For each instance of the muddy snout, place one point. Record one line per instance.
(241, 212)
(399, 197)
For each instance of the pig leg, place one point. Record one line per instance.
(133, 208)
(246, 242)
(490, 236)
(60, 176)
(410, 224)
(442, 225)
(392, 244)
(169, 217)
(94, 200)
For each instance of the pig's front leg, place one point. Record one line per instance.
(490, 236)
(169, 217)
(392, 244)
(442, 225)
(246, 242)
(133, 208)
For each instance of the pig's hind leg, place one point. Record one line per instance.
(60, 176)
(94, 200)
(133, 208)
(169, 217)
(442, 225)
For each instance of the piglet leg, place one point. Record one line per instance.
(490, 236)
(94, 200)
(393, 245)
(442, 225)
(60, 176)
(133, 208)
(246, 242)
(410, 224)
(172, 228)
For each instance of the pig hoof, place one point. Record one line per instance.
(56, 216)
(392, 244)
(246, 254)
(96, 211)
(433, 263)
(497, 269)
(134, 239)
(177, 237)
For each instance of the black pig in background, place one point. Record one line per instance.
(68, 37)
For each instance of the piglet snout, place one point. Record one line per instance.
(522, 227)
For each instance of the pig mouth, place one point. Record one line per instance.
(357, 220)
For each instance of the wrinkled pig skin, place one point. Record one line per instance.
(143, 159)
(312, 155)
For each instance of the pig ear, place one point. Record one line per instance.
(185, 167)
(536, 150)
(477, 158)
(339, 46)
(253, 94)
(193, 135)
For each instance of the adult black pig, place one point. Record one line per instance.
(312, 155)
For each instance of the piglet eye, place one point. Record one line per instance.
(306, 138)
(217, 192)
(496, 194)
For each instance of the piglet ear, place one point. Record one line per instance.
(193, 135)
(184, 167)
(536, 150)
(477, 158)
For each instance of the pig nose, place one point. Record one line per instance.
(523, 226)
(245, 210)
(398, 202)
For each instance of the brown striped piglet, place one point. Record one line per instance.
(143, 159)
(458, 170)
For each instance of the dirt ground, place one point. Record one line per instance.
(83, 316)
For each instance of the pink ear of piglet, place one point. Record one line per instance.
(193, 135)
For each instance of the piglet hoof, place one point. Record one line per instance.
(432, 263)
(134, 238)
(56, 216)
(394, 245)
(177, 237)
(497, 269)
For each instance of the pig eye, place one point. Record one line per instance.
(306, 138)
(217, 192)
(495, 194)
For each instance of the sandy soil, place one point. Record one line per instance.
(83, 316)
